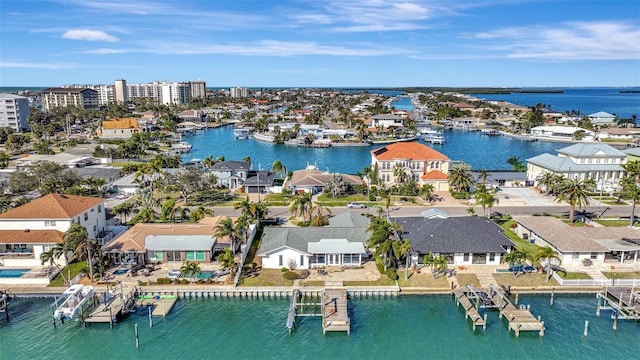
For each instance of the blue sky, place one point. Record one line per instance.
(321, 43)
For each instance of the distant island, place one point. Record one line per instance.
(480, 90)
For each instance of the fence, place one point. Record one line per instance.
(595, 282)
(245, 252)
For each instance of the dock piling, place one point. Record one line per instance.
(551, 301)
(137, 338)
(586, 327)
(150, 317)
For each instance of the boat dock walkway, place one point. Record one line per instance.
(331, 304)
(519, 318)
(113, 305)
(624, 302)
(336, 316)
(162, 305)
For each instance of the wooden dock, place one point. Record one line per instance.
(336, 316)
(161, 305)
(4, 304)
(113, 305)
(624, 302)
(519, 318)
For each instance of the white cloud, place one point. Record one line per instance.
(89, 35)
(25, 65)
(567, 41)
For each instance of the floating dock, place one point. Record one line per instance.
(519, 318)
(624, 302)
(162, 304)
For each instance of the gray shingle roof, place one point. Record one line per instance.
(298, 238)
(349, 219)
(231, 165)
(470, 234)
(591, 149)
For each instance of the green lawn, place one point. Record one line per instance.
(521, 244)
(574, 275)
(267, 277)
(524, 280)
(74, 269)
(613, 223)
(468, 279)
(382, 281)
(622, 275)
(422, 279)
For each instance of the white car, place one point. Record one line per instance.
(356, 205)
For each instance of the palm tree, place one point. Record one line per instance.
(575, 192)
(427, 190)
(399, 173)
(460, 178)
(401, 249)
(227, 259)
(208, 162)
(317, 212)
(484, 175)
(486, 198)
(516, 164)
(631, 190)
(94, 184)
(226, 228)
(301, 205)
(546, 180)
(548, 254)
(190, 270)
(243, 206)
(123, 209)
(429, 260)
(336, 185)
(382, 231)
(199, 213)
(50, 256)
(77, 238)
(440, 264)
(279, 168)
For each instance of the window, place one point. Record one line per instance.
(86, 216)
(575, 256)
(301, 260)
(280, 260)
(594, 256)
(194, 255)
(99, 208)
(49, 223)
(466, 257)
(492, 257)
(95, 228)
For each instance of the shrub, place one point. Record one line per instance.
(209, 281)
(392, 274)
(284, 269)
(380, 265)
(304, 274)
(290, 275)
(184, 281)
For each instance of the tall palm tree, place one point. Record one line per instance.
(440, 264)
(383, 232)
(199, 213)
(401, 249)
(484, 175)
(301, 205)
(226, 228)
(399, 173)
(279, 168)
(486, 198)
(50, 256)
(427, 190)
(631, 190)
(123, 209)
(546, 180)
(317, 213)
(77, 238)
(516, 164)
(208, 162)
(190, 270)
(460, 178)
(575, 192)
(227, 259)
(547, 254)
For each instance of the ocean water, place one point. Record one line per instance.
(586, 100)
(479, 151)
(417, 327)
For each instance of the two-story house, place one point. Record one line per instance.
(417, 161)
(600, 162)
(386, 120)
(231, 174)
(119, 128)
(33, 228)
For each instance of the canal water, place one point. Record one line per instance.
(416, 327)
(478, 150)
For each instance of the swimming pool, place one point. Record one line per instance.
(12, 273)
(120, 271)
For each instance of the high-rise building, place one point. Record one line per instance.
(80, 97)
(198, 89)
(239, 92)
(14, 111)
(120, 91)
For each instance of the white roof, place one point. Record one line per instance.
(336, 246)
(180, 242)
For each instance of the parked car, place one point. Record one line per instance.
(356, 205)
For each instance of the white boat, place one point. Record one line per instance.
(181, 147)
(242, 133)
(528, 138)
(74, 298)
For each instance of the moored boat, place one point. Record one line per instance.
(74, 299)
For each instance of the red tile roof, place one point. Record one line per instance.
(53, 206)
(407, 150)
(435, 175)
(31, 237)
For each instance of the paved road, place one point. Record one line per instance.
(614, 210)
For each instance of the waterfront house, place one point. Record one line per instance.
(469, 240)
(121, 128)
(560, 132)
(575, 244)
(633, 154)
(386, 120)
(259, 182)
(625, 134)
(341, 243)
(231, 174)
(313, 181)
(597, 161)
(31, 229)
(144, 243)
(419, 162)
(601, 118)
(502, 178)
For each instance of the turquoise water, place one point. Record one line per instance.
(12, 273)
(417, 327)
(479, 151)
